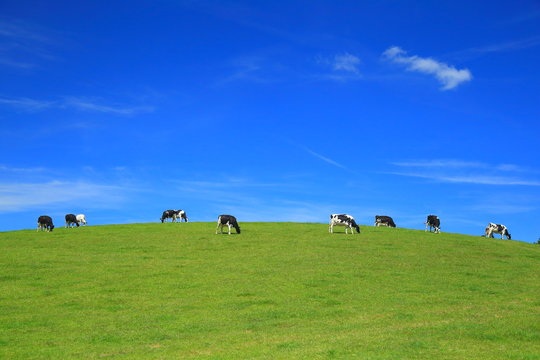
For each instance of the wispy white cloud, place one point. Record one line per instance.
(71, 102)
(502, 207)
(244, 69)
(16, 63)
(256, 68)
(23, 44)
(25, 196)
(340, 67)
(439, 163)
(447, 75)
(471, 172)
(346, 62)
(471, 179)
(498, 47)
(227, 184)
(90, 105)
(21, 31)
(508, 46)
(4, 168)
(323, 158)
(460, 164)
(27, 104)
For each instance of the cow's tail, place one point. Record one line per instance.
(235, 224)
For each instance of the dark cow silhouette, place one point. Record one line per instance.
(45, 222)
(381, 220)
(71, 220)
(434, 222)
(229, 221)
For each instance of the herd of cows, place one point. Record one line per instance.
(433, 223)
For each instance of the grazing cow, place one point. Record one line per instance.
(343, 220)
(381, 220)
(167, 214)
(44, 222)
(174, 215)
(180, 214)
(229, 221)
(434, 222)
(71, 220)
(497, 229)
(81, 219)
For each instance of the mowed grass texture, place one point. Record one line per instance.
(276, 291)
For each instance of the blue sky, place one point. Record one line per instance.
(271, 111)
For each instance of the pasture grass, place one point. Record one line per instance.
(276, 291)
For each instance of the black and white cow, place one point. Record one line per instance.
(180, 214)
(81, 219)
(381, 220)
(343, 220)
(71, 220)
(497, 229)
(434, 222)
(174, 215)
(229, 221)
(44, 222)
(167, 214)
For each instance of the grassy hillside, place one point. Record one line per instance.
(276, 291)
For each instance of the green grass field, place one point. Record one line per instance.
(276, 291)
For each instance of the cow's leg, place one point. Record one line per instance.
(331, 228)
